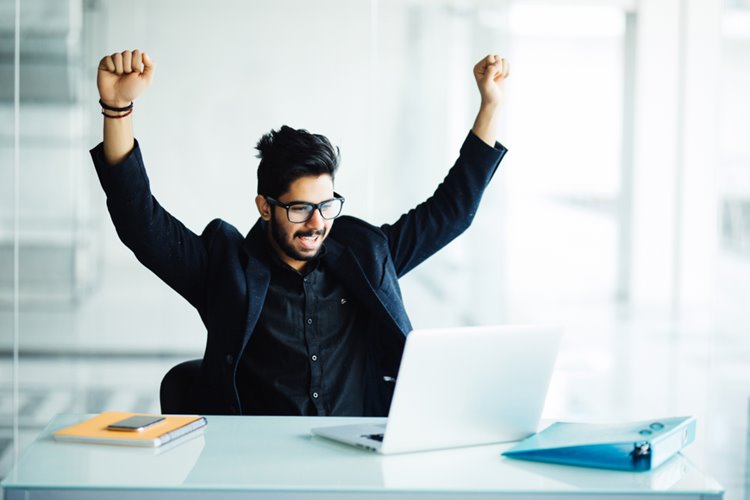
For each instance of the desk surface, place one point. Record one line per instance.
(260, 457)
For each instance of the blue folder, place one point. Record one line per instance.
(632, 446)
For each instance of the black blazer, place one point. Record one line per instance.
(225, 276)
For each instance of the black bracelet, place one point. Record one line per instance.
(112, 108)
(118, 116)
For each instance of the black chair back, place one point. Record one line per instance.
(178, 393)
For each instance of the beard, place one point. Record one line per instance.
(286, 245)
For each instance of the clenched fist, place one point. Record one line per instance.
(123, 76)
(490, 74)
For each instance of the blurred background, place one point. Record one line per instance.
(622, 210)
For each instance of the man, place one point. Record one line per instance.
(303, 316)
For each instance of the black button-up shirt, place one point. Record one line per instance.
(307, 353)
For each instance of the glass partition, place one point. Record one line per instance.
(8, 236)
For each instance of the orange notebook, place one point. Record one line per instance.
(94, 430)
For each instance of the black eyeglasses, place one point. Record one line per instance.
(301, 211)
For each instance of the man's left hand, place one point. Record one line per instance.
(490, 74)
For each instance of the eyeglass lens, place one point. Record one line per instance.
(302, 212)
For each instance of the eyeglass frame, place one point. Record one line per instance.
(313, 206)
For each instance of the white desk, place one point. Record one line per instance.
(276, 457)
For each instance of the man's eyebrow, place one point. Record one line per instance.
(300, 202)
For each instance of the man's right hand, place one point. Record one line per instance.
(123, 76)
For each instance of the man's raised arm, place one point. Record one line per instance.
(160, 241)
(121, 78)
(435, 222)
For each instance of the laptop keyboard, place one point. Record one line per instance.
(374, 437)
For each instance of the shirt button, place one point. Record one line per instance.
(309, 321)
(315, 395)
(314, 357)
(230, 359)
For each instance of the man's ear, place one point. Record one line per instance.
(264, 208)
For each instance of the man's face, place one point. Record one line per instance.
(297, 243)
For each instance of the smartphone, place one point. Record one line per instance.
(135, 423)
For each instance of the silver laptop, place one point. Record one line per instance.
(462, 387)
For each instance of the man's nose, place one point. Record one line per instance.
(316, 220)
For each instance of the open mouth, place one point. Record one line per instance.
(309, 242)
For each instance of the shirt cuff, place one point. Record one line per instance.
(123, 180)
(476, 150)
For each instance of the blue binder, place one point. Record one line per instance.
(632, 446)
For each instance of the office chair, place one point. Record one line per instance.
(178, 391)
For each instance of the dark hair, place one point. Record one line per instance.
(288, 154)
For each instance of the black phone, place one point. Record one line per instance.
(135, 423)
